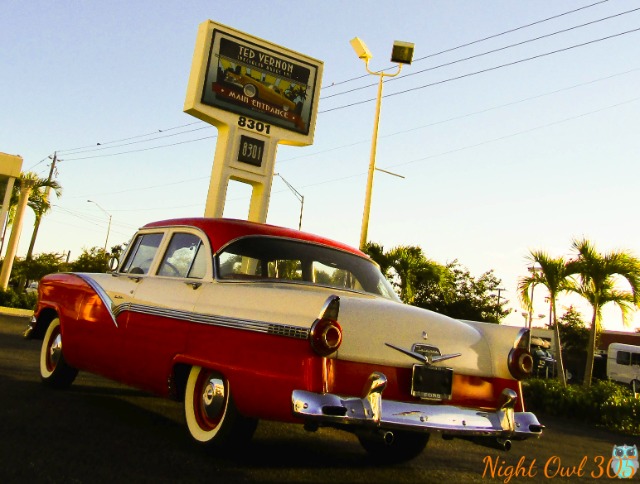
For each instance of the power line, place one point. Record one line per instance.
(481, 54)
(102, 144)
(466, 115)
(138, 189)
(482, 143)
(102, 148)
(418, 160)
(41, 161)
(385, 136)
(482, 71)
(493, 36)
(130, 138)
(143, 149)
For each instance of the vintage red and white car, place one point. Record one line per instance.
(244, 321)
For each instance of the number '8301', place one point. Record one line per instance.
(258, 126)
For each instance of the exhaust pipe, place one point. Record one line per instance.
(387, 437)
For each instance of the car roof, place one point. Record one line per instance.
(221, 231)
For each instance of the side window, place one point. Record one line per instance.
(185, 257)
(289, 269)
(635, 358)
(623, 358)
(142, 253)
(236, 266)
(330, 275)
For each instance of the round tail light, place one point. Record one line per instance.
(325, 336)
(520, 361)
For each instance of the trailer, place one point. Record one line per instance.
(623, 365)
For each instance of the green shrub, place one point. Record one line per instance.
(16, 299)
(604, 403)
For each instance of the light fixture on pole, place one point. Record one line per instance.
(108, 227)
(402, 53)
(298, 195)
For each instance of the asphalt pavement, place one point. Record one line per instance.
(100, 431)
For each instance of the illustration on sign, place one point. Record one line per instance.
(258, 82)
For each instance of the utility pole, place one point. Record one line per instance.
(36, 225)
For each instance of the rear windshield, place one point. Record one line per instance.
(260, 258)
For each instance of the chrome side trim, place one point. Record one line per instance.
(102, 294)
(265, 327)
(330, 308)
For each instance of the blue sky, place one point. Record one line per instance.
(497, 160)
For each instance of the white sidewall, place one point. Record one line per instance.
(44, 371)
(194, 428)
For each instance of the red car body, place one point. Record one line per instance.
(249, 321)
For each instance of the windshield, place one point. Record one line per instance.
(269, 258)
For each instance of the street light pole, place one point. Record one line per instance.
(372, 159)
(106, 241)
(297, 194)
(402, 53)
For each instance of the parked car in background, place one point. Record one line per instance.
(623, 365)
(243, 321)
(544, 364)
(32, 287)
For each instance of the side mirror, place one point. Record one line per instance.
(113, 263)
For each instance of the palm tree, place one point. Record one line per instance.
(406, 267)
(413, 269)
(552, 274)
(39, 200)
(599, 277)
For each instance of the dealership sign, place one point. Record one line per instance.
(260, 83)
(258, 95)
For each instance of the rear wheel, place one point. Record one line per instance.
(635, 386)
(54, 370)
(210, 413)
(393, 448)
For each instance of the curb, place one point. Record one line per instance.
(26, 313)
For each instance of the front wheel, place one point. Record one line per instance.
(391, 448)
(210, 413)
(54, 370)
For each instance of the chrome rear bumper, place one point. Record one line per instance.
(373, 412)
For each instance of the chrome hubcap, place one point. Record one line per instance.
(213, 398)
(55, 350)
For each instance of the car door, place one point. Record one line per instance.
(163, 305)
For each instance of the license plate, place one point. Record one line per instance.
(431, 382)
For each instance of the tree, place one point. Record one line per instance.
(406, 267)
(460, 295)
(40, 204)
(94, 259)
(573, 331)
(379, 256)
(412, 270)
(551, 273)
(37, 267)
(38, 200)
(599, 278)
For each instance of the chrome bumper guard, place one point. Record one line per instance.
(452, 421)
(28, 332)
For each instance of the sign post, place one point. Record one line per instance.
(258, 95)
